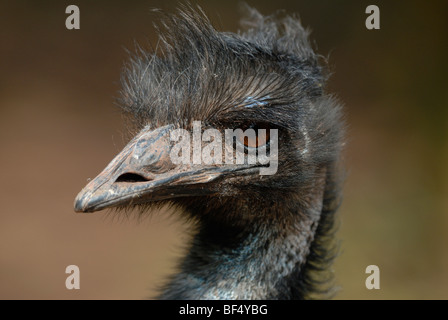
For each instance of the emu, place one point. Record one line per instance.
(255, 236)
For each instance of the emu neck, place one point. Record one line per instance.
(259, 260)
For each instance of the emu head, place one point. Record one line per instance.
(266, 78)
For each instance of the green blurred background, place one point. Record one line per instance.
(58, 127)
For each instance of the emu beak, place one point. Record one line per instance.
(143, 172)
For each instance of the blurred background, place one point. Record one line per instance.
(59, 127)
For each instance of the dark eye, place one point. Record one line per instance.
(256, 138)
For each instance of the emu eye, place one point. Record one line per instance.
(255, 138)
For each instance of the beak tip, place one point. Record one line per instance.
(78, 205)
(81, 205)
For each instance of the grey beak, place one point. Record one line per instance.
(143, 172)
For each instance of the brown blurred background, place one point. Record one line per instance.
(58, 127)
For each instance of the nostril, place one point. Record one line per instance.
(131, 177)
